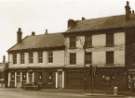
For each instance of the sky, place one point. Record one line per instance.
(38, 15)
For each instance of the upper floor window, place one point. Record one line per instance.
(50, 57)
(72, 58)
(88, 41)
(30, 57)
(15, 58)
(88, 57)
(109, 57)
(109, 39)
(72, 43)
(22, 58)
(40, 57)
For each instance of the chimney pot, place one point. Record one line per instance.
(4, 59)
(127, 11)
(19, 35)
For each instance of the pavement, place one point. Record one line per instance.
(61, 93)
(89, 93)
(95, 92)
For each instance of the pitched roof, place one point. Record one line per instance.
(111, 22)
(40, 41)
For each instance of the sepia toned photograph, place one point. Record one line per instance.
(67, 49)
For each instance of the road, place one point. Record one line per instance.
(19, 93)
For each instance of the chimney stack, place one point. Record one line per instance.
(4, 59)
(46, 31)
(33, 33)
(127, 11)
(19, 35)
(83, 18)
(133, 12)
(71, 23)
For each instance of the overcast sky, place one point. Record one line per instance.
(38, 15)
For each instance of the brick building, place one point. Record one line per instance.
(99, 51)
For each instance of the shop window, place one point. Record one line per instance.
(18, 77)
(30, 77)
(72, 58)
(23, 77)
(12, 76)
(40, 76)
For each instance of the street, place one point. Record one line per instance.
(20, 93)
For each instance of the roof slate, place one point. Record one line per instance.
(111, 22)
(40, 41)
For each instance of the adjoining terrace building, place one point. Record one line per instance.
(101, 51)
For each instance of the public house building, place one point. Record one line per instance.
(37, 58)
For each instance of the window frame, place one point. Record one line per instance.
(14, 58)
(109, 39)
(72, 59)
(88, 41)
(50, 56)
(110, 57)
(40, 56)
(88, 58)
(22, 58)
(72, 42)
(31, 57)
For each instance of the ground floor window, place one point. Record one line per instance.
(30, 77)
(23, 77)
(12, 76)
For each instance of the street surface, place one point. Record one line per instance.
(20, 93)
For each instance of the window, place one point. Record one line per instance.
(18, 78)
(110, 57)
(109, 39)
(40, 76)
(22, 58)
(88, 41)
(30, 77)
(23, 77)
(50, 57)
(30, 57)
(88, 57)
(73, 42)
(72, 58)
(14, 58)
(40, 57)
(12, 76)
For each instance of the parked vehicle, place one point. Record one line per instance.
(31, 86)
